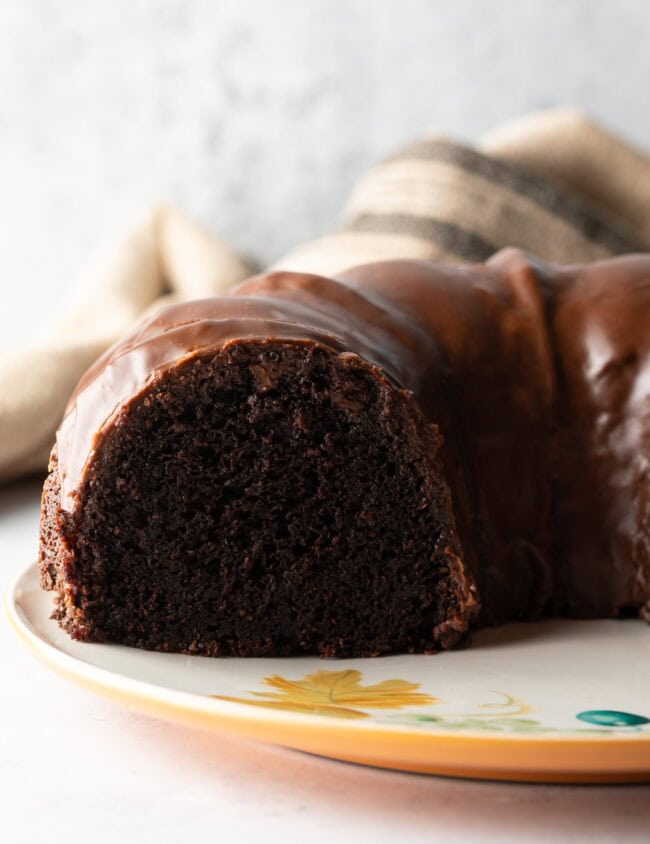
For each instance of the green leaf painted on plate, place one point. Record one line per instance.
(502, 725)
(612, 718)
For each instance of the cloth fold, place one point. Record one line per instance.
(553, 183)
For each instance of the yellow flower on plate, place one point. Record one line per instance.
(337, 693)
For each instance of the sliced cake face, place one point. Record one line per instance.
(269, 497)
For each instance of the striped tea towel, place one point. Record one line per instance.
(553, 183)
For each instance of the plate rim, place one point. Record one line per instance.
(305, 731)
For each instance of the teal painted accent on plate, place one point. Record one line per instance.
(612, 718)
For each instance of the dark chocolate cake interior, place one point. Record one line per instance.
(272, 498)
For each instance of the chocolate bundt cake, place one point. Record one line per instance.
(361, 465)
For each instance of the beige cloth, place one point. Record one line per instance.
(163, 258)
(553, 183)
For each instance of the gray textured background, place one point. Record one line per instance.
(257, 116)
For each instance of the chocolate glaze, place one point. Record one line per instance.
(537, 376)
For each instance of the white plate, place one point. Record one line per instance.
(555, 701)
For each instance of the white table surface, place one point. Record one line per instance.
(74, 767)
(257, 118)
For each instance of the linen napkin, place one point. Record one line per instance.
(553, 183)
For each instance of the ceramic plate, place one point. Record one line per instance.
(558, 701)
